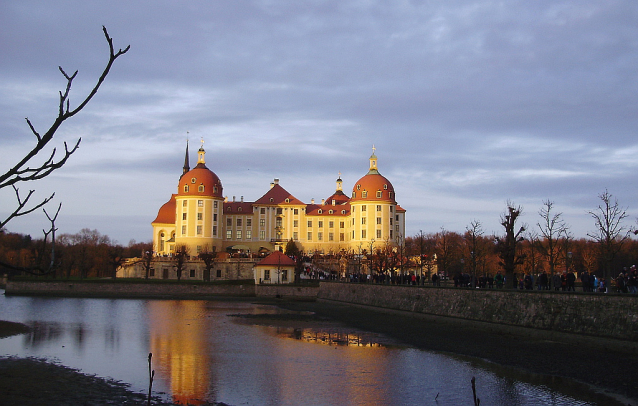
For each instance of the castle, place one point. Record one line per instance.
(199, 218)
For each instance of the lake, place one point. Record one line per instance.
(202, 351)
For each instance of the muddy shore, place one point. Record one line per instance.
(614, 372)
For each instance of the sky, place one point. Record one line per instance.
(469, 104)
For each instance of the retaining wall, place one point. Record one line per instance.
(600, 315)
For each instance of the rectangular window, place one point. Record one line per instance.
(183, 230)
(320, 225)
(266, 274)
(391, 209)
(295, 223)
(199, 230)
(184, 203)
(331, 224)
(364, 194)
(200, 216)
(295, 235)
(238, 235)
(363, 208)
(183, 216)
(215, 231)
(262, 222)
(192, 273)
(378, 220)
(284, 275)
(249, 235)
(262, 235)
(397, 217)
(309, 236)
(331, 236)
(239, 222)
(379, 194)
(378, 207)
(378, 233)
(342, 236)
(229, 234)
(262, 210)
(296, 212)
(219, 273)
(200, 203)
(319, 236)
(363, 233)
(249, 222)
(363, 220)
(390, 234)
(215, 217)
(309, 223)
(391, 219)
(151, 272)
(278, 222)
(215, 204)
(229, 222)
(397, 228)
(342, 224)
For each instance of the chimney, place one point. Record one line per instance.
(334, 202)
(323, 201)
(276, 181)
(242, 199)
(233, 198)
(312, 201)
(225, 199)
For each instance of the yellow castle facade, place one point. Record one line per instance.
(199, 218)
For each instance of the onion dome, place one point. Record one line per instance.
(200, 181)
(373, 186)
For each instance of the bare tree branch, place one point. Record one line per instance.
(22, 171)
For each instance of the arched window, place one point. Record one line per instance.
(200, 188)
(185, 188)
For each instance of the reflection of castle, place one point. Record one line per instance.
(200, 218)
(180, 349)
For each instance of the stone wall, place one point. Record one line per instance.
(128, 289)
(599, 315)
(287, 291)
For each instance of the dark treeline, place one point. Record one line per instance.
(455, 253)
(84, 254)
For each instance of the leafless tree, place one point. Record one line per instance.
(610, 232)
(472, 237)
(552, 228)
(36, 164)
(509, 245)
(210, 258)
(179, 258)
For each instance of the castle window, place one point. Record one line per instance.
(331, 224)
(193, 180)
(199, 230)
(162, 235)
(354, 195)
(309, 223)
(229, 222)
(363, 220)
(287, 200)
(295, 212)
(378, 220)
(319, 236)
(364, 194)
(363, 233)
(363, 208)
(378, 233)
(262, 222)
(238, 234)
(385, 187)
(309, 236)
(320, 211)
(342, 236)
(272, 200)
(200, 216)
(343, 212)
(183, 230)
(342, 224)
(215, 204)
(279, 210)
(262, 210)
(358, 187)
(185, 188)
(390, 195)
(249, 222)
(183, 216)
(200, 203)
(214, 216)
(320, 225)
(215, 231)
(295, 236)
(249, 234)
(331, 236)
(295, 223)
(239, 222)
(239, 209)
(192, 271)
(266, 274)
(378, 207)
(219, 273)
(379, 194)
(229, 234)
(200, 188)
(262, 235)
(331, 211)
(214, 189)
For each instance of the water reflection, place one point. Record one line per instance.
(268, 357)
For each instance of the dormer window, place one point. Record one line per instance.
(379, 194)
(287, 200)
(385, 187)
(354, 195)
(358, 187)
(239, 209)
(364, 194)
(330, 211)
(320, 211)
(214, 189)
(272, 200)
(193, 180)
(200, 188)
(343, 212)
(185, 188)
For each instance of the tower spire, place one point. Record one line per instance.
(187, 166)
(373, 162)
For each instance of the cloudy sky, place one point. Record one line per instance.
(469, 104)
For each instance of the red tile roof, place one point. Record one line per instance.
(277, 258)
(277, 195)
